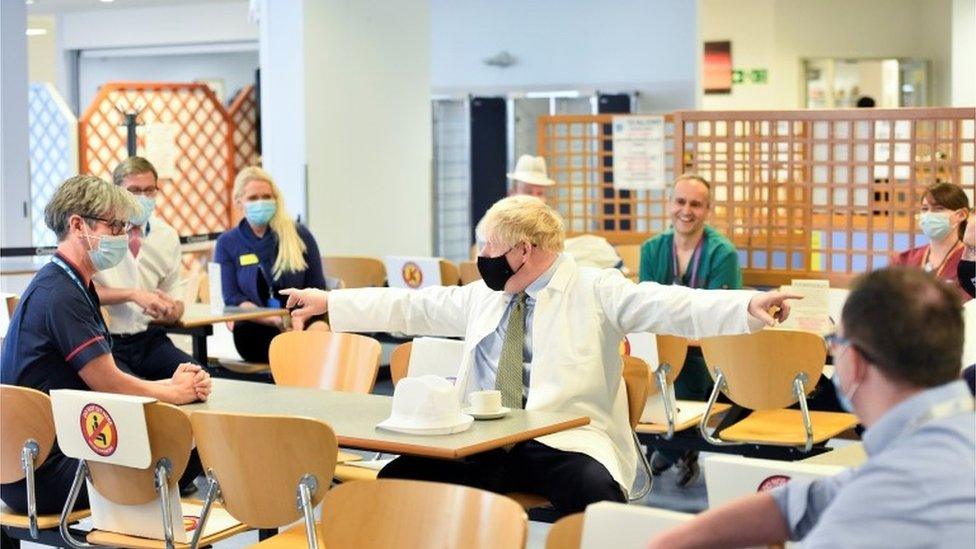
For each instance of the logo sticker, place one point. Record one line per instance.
(99, 430)
(412, 275)
(772, 482)
(190, 522)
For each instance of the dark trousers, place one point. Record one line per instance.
(253, 339)
(149, 355)
(53, 479)
(569, 480)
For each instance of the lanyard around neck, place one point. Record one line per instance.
(95, 310)
(693, 264)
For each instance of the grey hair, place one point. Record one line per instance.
(87, 196)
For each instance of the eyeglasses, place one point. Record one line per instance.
(117, 227)
(150, 192)
(835, 340)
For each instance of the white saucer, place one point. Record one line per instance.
(491, 415)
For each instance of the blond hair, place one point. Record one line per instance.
(291, 248)
(89, 197)
(522, 218)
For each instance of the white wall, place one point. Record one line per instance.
(963, 53)
(624, 45)
(368, 125)
(42, 49)
(14, 176)
(778, 34)
(236, 69)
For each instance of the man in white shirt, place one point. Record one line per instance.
(546, 333)
(140, 289)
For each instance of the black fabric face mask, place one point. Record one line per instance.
(495, 271)
(965, 272)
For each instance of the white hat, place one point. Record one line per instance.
(532, 170)
(426, 405)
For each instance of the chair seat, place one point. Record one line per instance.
(242, 367)
(349, 473)
(346, 457)
(114, 539)
(9, 517)
(785, 427)
(689, 414)
(291, 538)
(528, 501)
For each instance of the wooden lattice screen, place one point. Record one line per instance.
(197, 198)
(802, 194)
(243, 112)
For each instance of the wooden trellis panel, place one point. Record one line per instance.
(197, 199)
(579, 156)
(802, 194)
(243, 112)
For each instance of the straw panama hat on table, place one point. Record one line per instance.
(532, 170)
(426, 405)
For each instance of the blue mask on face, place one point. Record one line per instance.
(842, 398)
(260, 212)
(935, 225)
(148, 205)
(110, 251)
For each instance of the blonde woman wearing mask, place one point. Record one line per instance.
(942, 219)
(266, 252)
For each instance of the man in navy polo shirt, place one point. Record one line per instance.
(57, 337)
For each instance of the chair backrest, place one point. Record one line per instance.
(25, 414)
(405, 513)
(637, 377)
(630, 254)
(324, 360)
(170, 436)
(400, 361)
(12, 302)
(449, 273)
(355, 271)
(469, 272)
(260, 459)
(566, 533)
(759, 368)
(672, 350)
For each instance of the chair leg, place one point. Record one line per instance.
(213, 492)
(703, 423)
(649, 482)
(306, 487)
(669, 411)
(81, 475)
(163, 469)
(801, 396)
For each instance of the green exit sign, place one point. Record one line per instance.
(754, 76)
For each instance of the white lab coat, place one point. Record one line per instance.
(580, 318)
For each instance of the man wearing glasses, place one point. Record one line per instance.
(141, 288)
(57, 337)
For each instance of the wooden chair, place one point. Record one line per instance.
(12, 302)
(469, 272)
(261, 465)
(630, 254)
(25, 443)
(170, 442)
(566, 533)
(767, 372)
(411, 514)
(636, 375)
(672, 352)
(449, 273)
(400, 361)
(325, 360)
(355, 271)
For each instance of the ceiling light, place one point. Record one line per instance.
(107, 1)
(36, 32)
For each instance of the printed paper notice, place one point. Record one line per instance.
(812, 313)
(161, 148)
(638, 152)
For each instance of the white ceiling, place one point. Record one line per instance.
(47, 7)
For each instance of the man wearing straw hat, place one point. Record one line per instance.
(546, 334)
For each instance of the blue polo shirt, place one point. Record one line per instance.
(56, 330)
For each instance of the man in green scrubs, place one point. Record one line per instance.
(691, 254)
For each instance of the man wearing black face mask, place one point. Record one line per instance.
(546, 334)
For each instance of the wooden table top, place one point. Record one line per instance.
(199, 314)
(353, 417)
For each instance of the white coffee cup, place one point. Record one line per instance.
(485, 402)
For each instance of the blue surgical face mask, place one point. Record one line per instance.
(260, 212)
(935, 225)
(110, 251)
(148, 205)
(843, 398)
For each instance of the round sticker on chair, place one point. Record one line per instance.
(412, 275)
(772, 482)
(99, 430)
